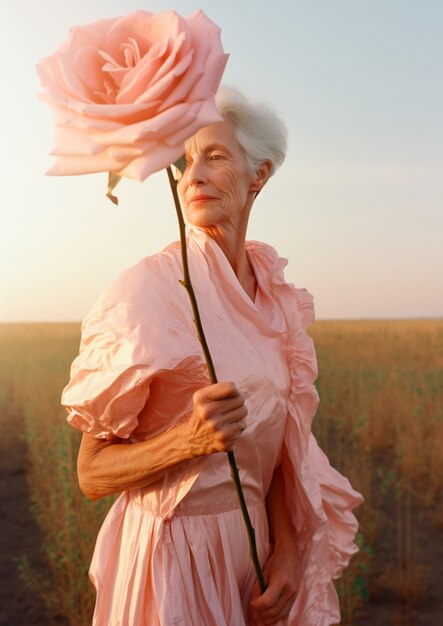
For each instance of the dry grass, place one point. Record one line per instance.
(380, 421)
(33, 370)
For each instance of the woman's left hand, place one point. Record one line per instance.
(275, 603)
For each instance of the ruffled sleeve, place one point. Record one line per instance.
(320, 499)
(134, 332)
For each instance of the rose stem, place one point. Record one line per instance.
(187, 284)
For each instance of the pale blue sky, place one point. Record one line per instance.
(357, 207)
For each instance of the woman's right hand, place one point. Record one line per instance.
(111, 466)
(217, 420)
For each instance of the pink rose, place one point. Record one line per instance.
(127, 92)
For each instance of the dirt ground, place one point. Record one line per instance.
(386, 610)
(19, 533)
(20, 536)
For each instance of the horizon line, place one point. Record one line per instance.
(317, 319)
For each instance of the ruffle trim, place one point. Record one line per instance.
(320, 498)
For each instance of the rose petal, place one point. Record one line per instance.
(72, 165)
(124, 113)
(71, 142)
(154, 159)
(166, 24)
(96, 31)
(135, 79)
(136, 25)
(70, 69)
(161, 88)
(87, 67)
(135, 132)
(207, 38)
(208, 53)
(121, 153)
(60, 66)
(180, 46)
(146, 28)
(150, 72)
(205, 114)
(66, 117)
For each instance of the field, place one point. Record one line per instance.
(380, 422)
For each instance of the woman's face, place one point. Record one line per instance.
(216, 187)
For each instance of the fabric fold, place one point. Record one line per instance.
(164, 557)
(321, 500)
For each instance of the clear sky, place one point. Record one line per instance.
(357, 208)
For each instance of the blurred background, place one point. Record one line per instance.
(356, 208)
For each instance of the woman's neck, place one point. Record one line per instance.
(233, 247)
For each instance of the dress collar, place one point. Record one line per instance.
(268, 270)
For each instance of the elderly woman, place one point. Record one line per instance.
(173, 550)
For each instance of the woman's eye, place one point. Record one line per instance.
(215, 157)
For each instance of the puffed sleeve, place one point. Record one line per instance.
(139, 328)
(109, 383)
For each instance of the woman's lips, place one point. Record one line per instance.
(201, 198)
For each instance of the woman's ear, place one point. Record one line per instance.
(261, 176)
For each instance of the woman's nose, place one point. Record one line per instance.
(197, 172)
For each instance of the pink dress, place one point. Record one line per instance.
(176, 552)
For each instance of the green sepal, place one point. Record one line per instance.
(113, 180)
(180, 163)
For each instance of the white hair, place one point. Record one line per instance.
(259, 130)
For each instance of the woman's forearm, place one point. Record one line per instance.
(282, 569)
(281, 529)
(106, 467)
(110, 466)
